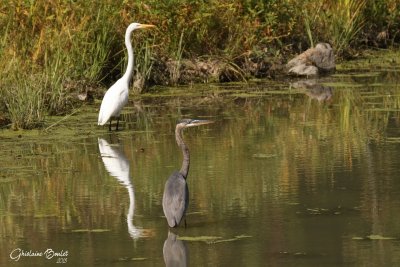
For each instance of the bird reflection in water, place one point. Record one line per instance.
(118, 166)
(175, 251)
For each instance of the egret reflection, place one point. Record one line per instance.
(175, 251)
(118, 166)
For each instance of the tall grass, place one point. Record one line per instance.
(144, 61)
(24, 98)
(60, 41)
(177, 57)
(346, 21)
(337, 22)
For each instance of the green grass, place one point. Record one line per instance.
(53, 44)
(24, 100)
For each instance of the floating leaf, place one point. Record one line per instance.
(263, 156)
(211, 239)
(242, 236)
(132, 259)
(90, 230)
(229, 239)
(379, 237)
(373, 237)
(199, 238)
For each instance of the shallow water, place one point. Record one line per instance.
(286, 176)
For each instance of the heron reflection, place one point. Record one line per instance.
(176, 192)
(118, 166)
(175, 251)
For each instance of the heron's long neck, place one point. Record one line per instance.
(185, 151)
(129, 68)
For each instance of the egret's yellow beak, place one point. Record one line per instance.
(142, 26)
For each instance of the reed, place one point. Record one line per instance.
(144, 61)
(177, 57)
(24, 99)
(346, 22)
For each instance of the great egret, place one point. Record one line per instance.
(313, 61)
(116, 96)
(176, 193)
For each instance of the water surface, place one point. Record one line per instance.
(288, 175)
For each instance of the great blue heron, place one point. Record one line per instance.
(116, 96)
(176, 193)
(313, 61)
(175, 252)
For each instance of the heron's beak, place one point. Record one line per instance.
(142, 26)
(199, 122)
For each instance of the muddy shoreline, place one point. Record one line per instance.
(196, 71)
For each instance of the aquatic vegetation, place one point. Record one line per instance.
(212, 239)
(90, 230)
(374, 237)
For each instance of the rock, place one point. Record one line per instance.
(314, 61)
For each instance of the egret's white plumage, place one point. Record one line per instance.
(118, 166)
(116, 96)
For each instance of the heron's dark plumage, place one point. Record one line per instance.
(175, 199)
(176, 192)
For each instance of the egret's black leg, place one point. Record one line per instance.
(185, 222)
(109, 126)
(117, 124)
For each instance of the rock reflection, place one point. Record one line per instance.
(175, 251)
(315, 90)
(118, 166)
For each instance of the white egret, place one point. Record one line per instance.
(116, 96)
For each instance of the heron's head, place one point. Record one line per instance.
(185, 123)
(134, 26)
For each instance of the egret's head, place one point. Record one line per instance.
(135, 26)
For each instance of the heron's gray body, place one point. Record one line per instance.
(175, 199)
(176, 192)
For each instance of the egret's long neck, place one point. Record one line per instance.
(129, 68)
(185, 151)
